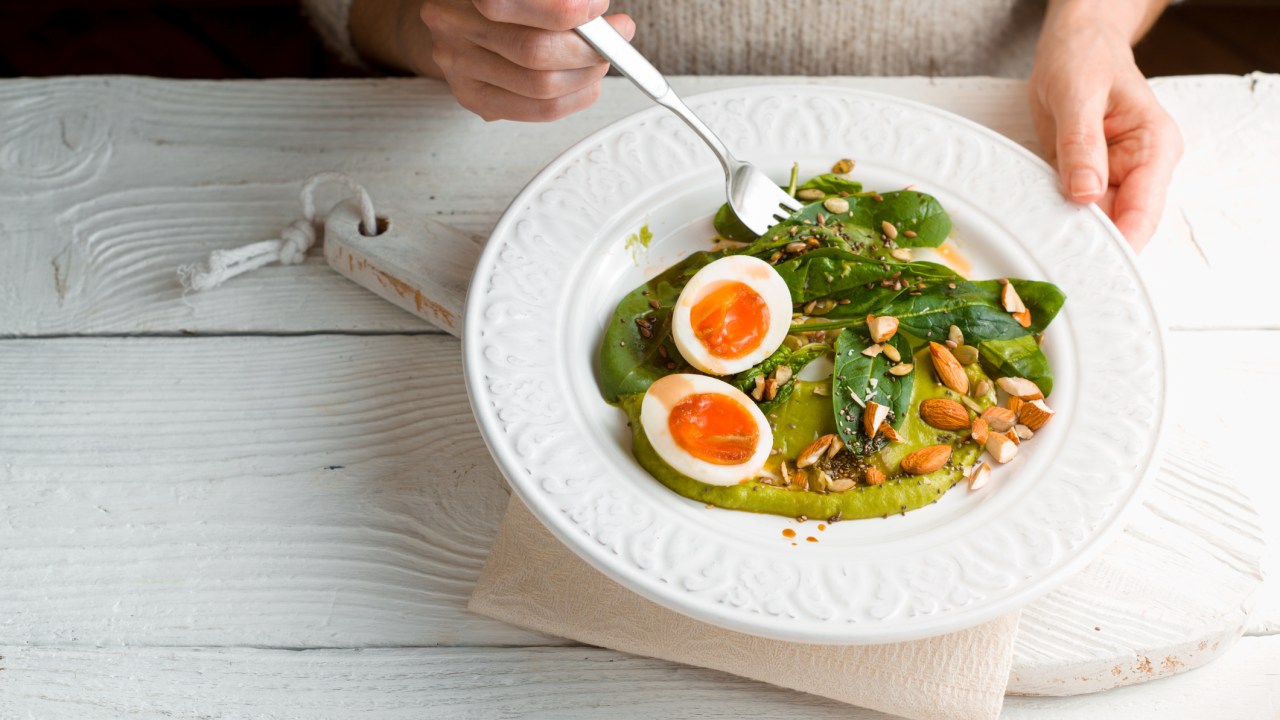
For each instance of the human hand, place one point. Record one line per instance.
(503, 59)
(1101, 124)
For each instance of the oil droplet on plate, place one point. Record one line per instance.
(788, 533)
(812, 539)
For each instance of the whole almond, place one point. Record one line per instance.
(926, 460)
(944, 414)
(999, 419)
(1035, 414)
(814, 451)
(979, 431)
(949, 370)
(874, 476)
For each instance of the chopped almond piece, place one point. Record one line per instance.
(872, 418)
(1020, 388)
(1035, 414)
(889, 433)
(981, 474)
(979, 431)
(1012, 435)
(882, 328)
(999, 419)
(1014, 404)
(1010, 299)
(874, 476)
(1001, 448)
(873, 351)
(814, 451)
(1024, 317)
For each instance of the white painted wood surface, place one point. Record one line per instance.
(83, 683)
(289, 492)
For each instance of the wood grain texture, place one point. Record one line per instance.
(1136, 613)
(108, 184)
(389, 684)
(333, 491)
(111, 183)
(283, 492)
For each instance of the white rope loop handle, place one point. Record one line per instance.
(288, 249)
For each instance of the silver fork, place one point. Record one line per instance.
(757, 201)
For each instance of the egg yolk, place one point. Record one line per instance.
(714, 428)
(731, 320)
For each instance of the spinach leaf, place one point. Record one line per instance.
(860, 227)
(915, 212)
(728, 226)
(832, 184)
(973, 307)
(853, 376)
(832, 272)
(1018, 357)
(796, 360)
(1043, 299)
(629, 361)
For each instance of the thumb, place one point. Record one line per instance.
(1082, 146)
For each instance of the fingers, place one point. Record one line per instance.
(506, 70)
(494, 103)
(1080, 143)
(544, 14)
(1140, 194)
(544, 49)
(486, 67)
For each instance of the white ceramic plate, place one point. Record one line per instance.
(556, 265)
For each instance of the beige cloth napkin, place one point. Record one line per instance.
(533, 581)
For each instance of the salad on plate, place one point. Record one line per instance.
(838, 367)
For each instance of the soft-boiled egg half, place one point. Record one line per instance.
(706, 428)
(732, 314)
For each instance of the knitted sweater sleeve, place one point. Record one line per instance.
(331, 20)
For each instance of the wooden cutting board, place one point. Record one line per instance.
(1172, 594)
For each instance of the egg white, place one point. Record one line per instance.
(755, 274)
(655, 411)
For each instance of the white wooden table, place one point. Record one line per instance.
(270, 500)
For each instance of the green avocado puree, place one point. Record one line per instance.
(804, 417)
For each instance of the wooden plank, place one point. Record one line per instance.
(112, 183)
(284, 492)
(387, 684)
(1234, 428)
(1220, 204)
(297, 492)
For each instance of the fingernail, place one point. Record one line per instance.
(597, 7)
(1085, 183)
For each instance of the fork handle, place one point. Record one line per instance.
(615, 48)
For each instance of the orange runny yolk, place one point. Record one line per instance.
(714, 428)
(731, 320)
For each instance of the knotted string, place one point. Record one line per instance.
(288, 249)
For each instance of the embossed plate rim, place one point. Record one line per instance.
(670, 591)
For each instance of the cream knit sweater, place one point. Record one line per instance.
(807, 37)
